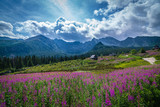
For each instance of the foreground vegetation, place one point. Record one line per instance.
(123, 80)
(138, 86)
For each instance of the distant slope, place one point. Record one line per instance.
(99, 49)
(74, 47)
(140, 41)
(110, 41)
(39, 45)
(5, 41)
(80, 48)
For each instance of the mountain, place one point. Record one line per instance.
(74, 47)
(140, 41)
(41, 45)
(100, 46)
(38, 45)
(5, 41)
(101, 49)
(110, 41)
(5, 38)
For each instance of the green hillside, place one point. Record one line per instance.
(104, 64)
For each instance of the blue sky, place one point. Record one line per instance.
(79, 20)
(47, 10)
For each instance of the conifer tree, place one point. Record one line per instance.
(29, 63)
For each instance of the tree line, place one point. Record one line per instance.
(14, 63)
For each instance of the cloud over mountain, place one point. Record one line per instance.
(6, 28)
(117, 18)
(62, 29)
(129, 18)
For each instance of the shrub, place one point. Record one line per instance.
(157, 57)
(142, 50)
(133, 51)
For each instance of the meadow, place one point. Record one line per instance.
(138, 86)
(118, 81)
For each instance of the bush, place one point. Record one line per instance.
(157, 57)
(142, 50)
(135, 63)
(133, 51)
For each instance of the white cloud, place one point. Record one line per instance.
(113, 5)
(6, 28)
(32, 28)
(62, 28)
(140, 18)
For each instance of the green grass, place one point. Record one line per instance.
(3, 71)
(72, 65)
(130, 56)
(104, 64)
(157, 62)
(157, 57)
(138, 62)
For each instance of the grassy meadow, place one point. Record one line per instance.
(119, 81)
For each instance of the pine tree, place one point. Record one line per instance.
(29, 63)
(34, 59)
(0, 63)
(20, 62)
(142, 50)
(133, 51)
(61, 58)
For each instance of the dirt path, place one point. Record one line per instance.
(150, 60)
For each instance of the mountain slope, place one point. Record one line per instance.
(140, 41)
(5, 41)
(100, 48)
(110, 41)
(74, 47)
(38, 45)
(80, 48)
(41, 45)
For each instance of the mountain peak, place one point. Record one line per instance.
(99, 44)
(38, 37)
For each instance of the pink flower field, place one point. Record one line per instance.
(130, 87)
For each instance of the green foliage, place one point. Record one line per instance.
(82, 89)
(28, 61)
(142, 50)
(71, 65)
(157, 57)
(133, 52)
(129, 56)
(157, 62)
(138, 62)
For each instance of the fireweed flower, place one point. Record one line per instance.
(64, 103)
(108, 102)
(35, 104)
(93, 98)
(130, 98)
(112, 92)
(154, 83)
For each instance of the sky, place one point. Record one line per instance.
(79, 20)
